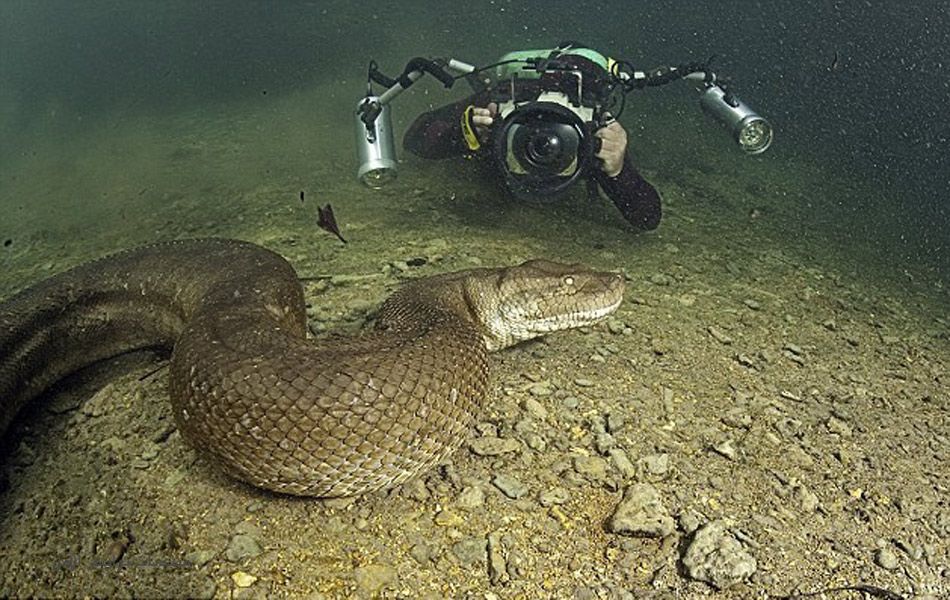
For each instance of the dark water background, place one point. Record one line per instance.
(860, 87)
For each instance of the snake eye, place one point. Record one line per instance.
(568, 280)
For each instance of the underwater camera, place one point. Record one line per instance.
(542, 148)
(550, 104)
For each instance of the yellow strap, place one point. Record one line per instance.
(468, 129)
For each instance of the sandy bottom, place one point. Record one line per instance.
(767, 372)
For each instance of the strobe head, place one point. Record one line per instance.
(375, 143)
(750, 131)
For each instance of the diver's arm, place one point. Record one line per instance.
(438, 133)
(633, 195)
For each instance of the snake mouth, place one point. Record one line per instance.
(580, 317)
(597, 314)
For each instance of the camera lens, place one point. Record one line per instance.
(543, 148)
(548, 148)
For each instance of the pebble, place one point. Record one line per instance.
(725, 449)
(914, 552)
(581, 382)
(510, 486)
(656, 464)
(719, 335)
(241, 547)
(570, 402)
(150, 453)
(622, 463)
(838, 426)
(207, 588)
(535, 442)
(806, 499)
(422, 553)
(592, 467)
(554, 496)
(517, 563)
(358, 308)
(790, 396)
(604, 443)
(371, 579)
(745, 360)
(470, 550)
(471, 497)
(715, 556)
(416, 489)
(752, 304)
(794, 349)
(615, 326)
(737, 418)
(115, 549)
(535, 409)
(242, 579)
(494, 446)
(200, 558)
(641, 513)
(447, 518)
(615, 421)
(541, 389)
(886, 559)
(497, 568)
(583, 592)
(689, 521)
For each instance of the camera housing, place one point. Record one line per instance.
(543, 146)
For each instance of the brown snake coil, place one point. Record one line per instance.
(342, 416)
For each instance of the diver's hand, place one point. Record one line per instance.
(483, 118)
(613, 147)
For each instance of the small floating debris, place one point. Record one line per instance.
(327, 221)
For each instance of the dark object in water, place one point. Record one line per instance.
(326, 221)
(7, 242)
(835, 63)
(864, 588)
(301, 195)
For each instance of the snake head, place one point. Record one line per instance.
(540, 296)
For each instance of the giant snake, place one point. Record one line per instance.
(338, 416)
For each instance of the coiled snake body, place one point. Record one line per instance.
(344, 416)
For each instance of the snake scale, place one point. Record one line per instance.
(338, 416)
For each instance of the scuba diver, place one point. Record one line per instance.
(446, 132)
(545, 119)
